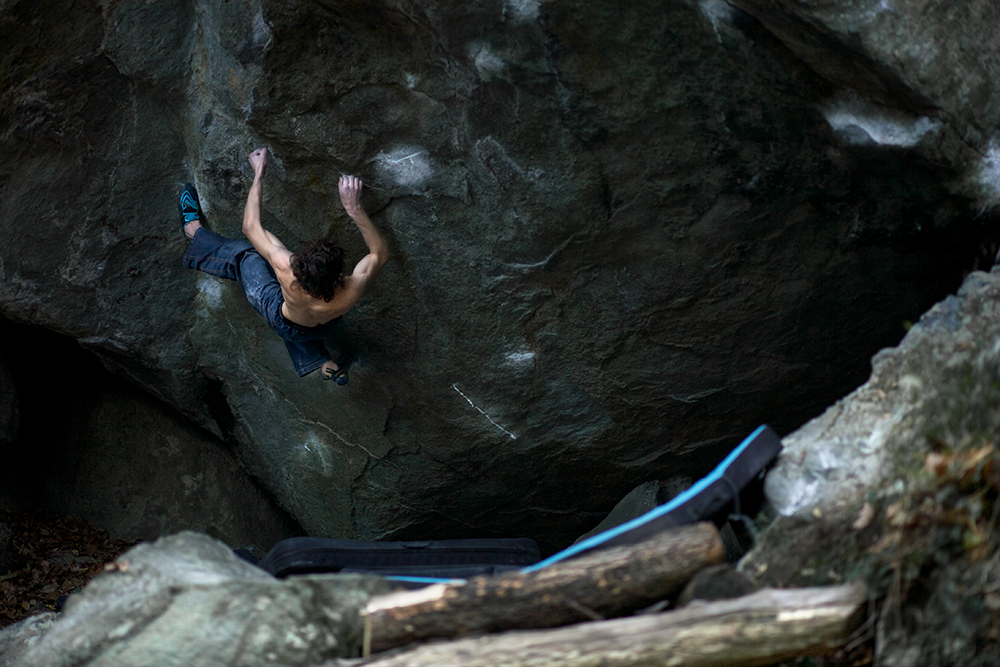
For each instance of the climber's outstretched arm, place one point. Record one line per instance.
(378, 249)
(264, 242)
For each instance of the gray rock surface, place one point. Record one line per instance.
(636, 502)
(16, 639)
(186, 600)
(716, 582)
(622, 237)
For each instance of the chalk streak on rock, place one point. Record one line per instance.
(455, 387)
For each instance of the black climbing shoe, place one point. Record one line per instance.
(188, 207)
(340, 375)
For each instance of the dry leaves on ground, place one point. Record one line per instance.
(56, 556)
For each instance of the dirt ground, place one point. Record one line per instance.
(55, 556)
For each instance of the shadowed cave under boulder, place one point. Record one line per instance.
(95, 447)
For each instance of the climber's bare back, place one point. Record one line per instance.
(306, 310)
(301, 307)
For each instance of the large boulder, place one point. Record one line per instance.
(622, 236)
(187, 600)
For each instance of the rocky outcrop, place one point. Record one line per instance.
(187, 600)
(898, 483)
(622, 237)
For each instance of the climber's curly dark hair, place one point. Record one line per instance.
(319, 268)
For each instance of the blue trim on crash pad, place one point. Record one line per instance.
(425, 580)
(654, 513)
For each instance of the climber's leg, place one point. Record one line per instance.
(215, 254)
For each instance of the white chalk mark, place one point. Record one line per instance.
(989, 173)
(337, 436)
(692, 398)
(319, 450)
(717, 11)
(407, 166)
(455, 387)
(261, 31)
(521, 357)
(526, 10)
(861, 122)
(487, 63)
(405, 157)
(210, 288)
(347, 442)
(541, 264)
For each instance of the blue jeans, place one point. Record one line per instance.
(237, 260)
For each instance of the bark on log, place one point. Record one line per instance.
(757, 629)
(608, 583)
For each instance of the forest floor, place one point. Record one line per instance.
(52, 557)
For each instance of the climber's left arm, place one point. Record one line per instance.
(263, 241)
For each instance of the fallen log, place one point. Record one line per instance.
(604, 584)
(757, 629)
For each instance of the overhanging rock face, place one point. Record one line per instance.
(622, 237)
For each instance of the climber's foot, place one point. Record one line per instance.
(190, 211)
(331, 370)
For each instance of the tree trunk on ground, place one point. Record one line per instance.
(757, 629)
(608, 583)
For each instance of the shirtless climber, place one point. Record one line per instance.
(301, 295)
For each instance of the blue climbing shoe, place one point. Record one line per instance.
(188, 207)
(340, 375)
